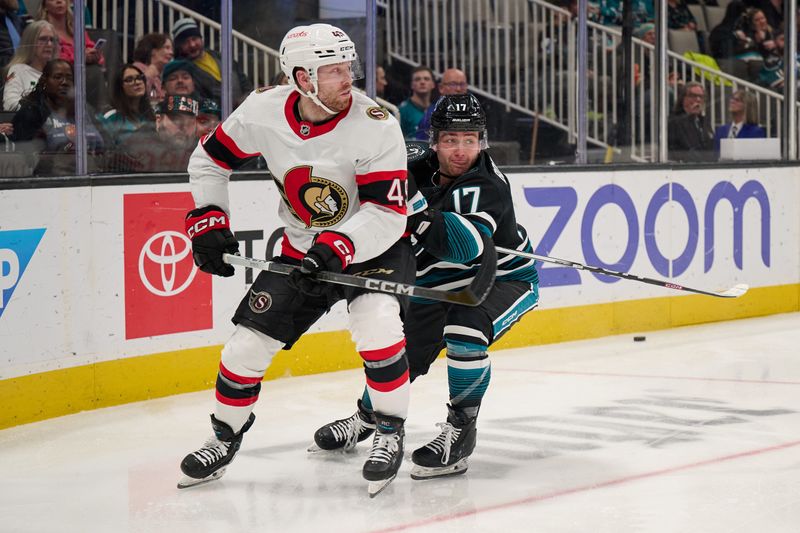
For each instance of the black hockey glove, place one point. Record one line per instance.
(209, 229)
(430, 230)
(332, 252)
(427, 225)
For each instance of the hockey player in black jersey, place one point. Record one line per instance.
(464, 194)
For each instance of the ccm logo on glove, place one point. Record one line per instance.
(211, 237)
(196, 226)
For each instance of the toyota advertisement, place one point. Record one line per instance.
(163, 293)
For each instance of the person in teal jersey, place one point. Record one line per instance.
(413, 108)
(131, 107)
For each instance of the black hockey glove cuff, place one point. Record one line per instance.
(209, 229)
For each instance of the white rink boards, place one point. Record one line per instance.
(100, 301)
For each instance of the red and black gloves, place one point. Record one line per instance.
(332, 252)
(209, 229)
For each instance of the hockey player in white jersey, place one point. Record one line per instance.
(339, 162)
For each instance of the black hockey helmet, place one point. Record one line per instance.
(458, 112)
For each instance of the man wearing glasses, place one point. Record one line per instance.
(690, 137)
(454, 81)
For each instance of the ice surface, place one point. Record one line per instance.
(694, 430)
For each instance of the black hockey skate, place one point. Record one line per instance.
(344, 434)
(447, 454)
(386, 454)
(209, 462)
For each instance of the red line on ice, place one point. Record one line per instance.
(576, 490)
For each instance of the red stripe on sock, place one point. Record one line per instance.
(236, 377)
(236, 402)
(388, 386)
(383, 353)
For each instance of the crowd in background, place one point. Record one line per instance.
(147, 118)
(147, 114)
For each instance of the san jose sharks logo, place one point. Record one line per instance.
(315, 201)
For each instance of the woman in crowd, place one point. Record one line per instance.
(38, 45)
(754, 36)
(743, 108)
(153, 51)
(131, 107)
(59, 14)
(46, 120)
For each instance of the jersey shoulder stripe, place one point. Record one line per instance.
(222, 149)
(385, 175)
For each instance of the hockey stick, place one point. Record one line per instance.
(472, 295)
(733, 292)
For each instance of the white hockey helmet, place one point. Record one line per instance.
(314, 46)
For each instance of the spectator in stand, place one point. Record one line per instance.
(11, 27)
(609, 12)
(208, 117)
(773, 72)
(454, 81)
(773, 10)
(690, 137)
(166, 145)
(59, 14)
(131, 107)
(178, 79)
(46, 119)
(39, 45)
(743, 108)
(413, 108)
(380, 81)
(208, 77)
(723, 41)
(755, 39)
(151, 55)
(680, 18)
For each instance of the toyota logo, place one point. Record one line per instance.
(166, 249)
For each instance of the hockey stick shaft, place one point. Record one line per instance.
(468, 296)
(733, 292)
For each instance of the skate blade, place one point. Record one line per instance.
(316, 449)
(376, 487)
(186, 481)
(424, 472)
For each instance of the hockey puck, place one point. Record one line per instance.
(639, 338)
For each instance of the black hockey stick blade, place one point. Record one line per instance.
(732, 292)
(472, 295)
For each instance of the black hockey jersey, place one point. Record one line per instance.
(478, 201)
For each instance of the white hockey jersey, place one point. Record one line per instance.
(346, 175)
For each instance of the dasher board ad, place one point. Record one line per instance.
(97, 274)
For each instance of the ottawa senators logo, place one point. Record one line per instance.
(315, 201)
(377, 113)
(260, 302)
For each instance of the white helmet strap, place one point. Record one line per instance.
(313, 94)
